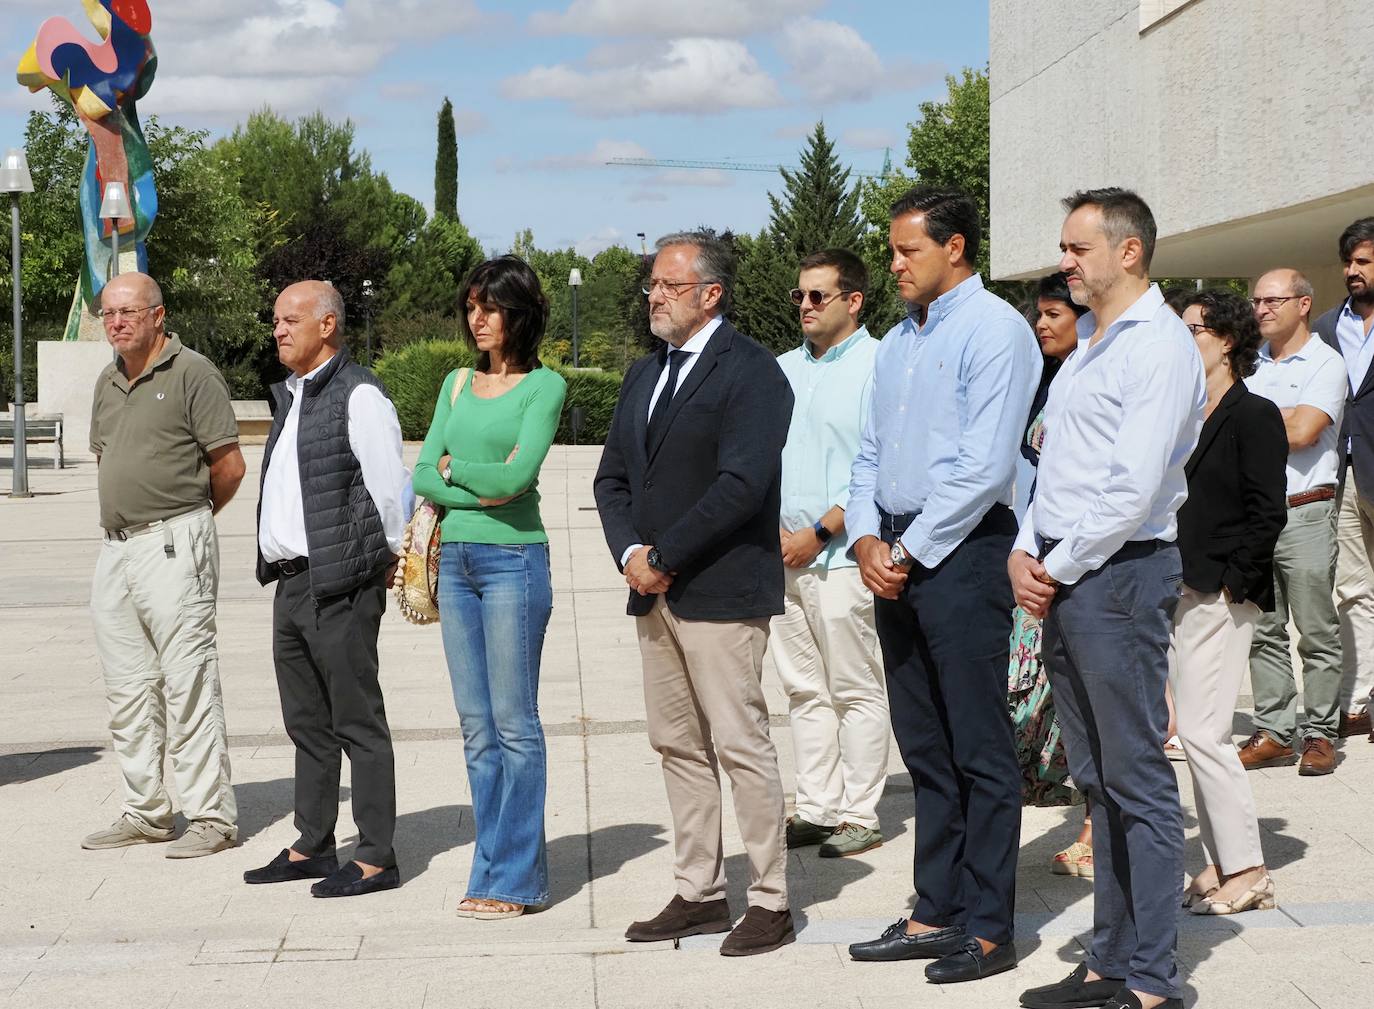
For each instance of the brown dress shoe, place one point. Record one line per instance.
(682, 918)
(1318, 756)
(1354, 725)
(759, 931)
(1263, 750)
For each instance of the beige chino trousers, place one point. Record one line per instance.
(153, 604)
(1355, 596)
(825, 648)
(1209, 651)
(703, 691)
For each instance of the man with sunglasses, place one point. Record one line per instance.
(1306, 380)
(824, 645)
(164, 435)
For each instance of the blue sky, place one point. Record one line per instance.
(546, 91)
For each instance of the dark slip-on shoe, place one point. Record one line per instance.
(1074, 992)
(282, 870)
(895, 944)
(759, 931)
(1126, 999)
(970, 963)
(349, 881)
(682, 918)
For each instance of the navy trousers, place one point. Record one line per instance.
(944, 644)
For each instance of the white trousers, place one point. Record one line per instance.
(825, 648)
(153, 604)
(1355, 597)
(1209, 652)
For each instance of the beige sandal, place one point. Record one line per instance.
(490, 910)
(468, 907)
(1259, 897)
(1075, 860)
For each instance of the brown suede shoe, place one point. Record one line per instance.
(1354, 725)
(682, 918)
(1263, 750)
(759, 931)
(1318, 756)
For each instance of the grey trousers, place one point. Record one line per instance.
(1304, 577)
(1106, 643)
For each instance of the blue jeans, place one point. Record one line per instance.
(494, 605)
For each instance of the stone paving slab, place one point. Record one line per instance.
(80, 928)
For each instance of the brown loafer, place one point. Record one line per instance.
(1263, 750)
(1353, 725)
(759, 931)
(1318, 756)
(682, 918)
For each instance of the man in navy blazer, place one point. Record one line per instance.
(689, 494)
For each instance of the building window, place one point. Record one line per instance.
(1154, 11)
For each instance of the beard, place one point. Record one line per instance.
(1360, 291)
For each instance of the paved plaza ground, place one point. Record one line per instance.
(128, 927)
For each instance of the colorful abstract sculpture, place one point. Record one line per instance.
(102, 82)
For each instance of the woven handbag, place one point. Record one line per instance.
(416, 583)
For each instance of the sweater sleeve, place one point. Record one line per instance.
(538, 425)
(427, 481)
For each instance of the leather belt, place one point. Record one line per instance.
(1307, 497)
(293, 566)
(147, 527)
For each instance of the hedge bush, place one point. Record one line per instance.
(414, 374)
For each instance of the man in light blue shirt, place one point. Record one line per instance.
(1097, 551)
(824, 645)
(930, 521)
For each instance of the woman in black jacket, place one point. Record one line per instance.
(1226, 533)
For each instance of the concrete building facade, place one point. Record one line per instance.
(1246, 125)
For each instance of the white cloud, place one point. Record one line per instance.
(668, 18)
(869, 139)
(832, 62)
(691, 76)
(599, 241)
(711, 178)
(597, 157)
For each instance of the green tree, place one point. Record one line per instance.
(762, 309)
(446, 165)
(817, 209)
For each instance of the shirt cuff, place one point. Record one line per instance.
(859, 522)
(1060, 566)
(1025, 539)
(629, 552)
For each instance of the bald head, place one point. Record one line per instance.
(321, 298)
(307, 324)
(139, 287)
(1283, 304)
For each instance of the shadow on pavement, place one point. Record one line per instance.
(578, 859)
(18, 768)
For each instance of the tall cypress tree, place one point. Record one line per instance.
(446, 165)
(817, 209)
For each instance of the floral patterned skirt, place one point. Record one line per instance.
(1039, 746)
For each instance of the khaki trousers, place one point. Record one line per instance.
(153, 605)
(1355, 596)
(1208, 652)
(825, 649)
(704, 696)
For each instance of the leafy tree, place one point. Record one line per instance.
(446, 165)
(762, 309)
(427, 274)
(818, 209)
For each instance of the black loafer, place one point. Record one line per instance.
(282, 870)
(895, 944)
(1126, 999)
(1074, 992)
(348, 881)
(970, 963)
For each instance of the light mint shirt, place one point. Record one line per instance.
(832, 399)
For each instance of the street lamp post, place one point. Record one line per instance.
(15, 179)
(367, 300)
(114, 207)
(575, 281)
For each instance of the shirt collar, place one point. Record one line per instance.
(1298, 355)
(951, 299)
(1143, 309)
(169, 350)
(698, 340)
(839, 350)
(294, 381)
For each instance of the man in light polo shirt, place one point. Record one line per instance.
(164, 434)
(1306, 379)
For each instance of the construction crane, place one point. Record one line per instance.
(736, 166)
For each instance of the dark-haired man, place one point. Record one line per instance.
(1347, 328)
(930, 520)
(824, 645)
(1096, 558)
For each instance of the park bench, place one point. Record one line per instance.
(37, 430)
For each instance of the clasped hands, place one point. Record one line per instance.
(1031, 584)
(487, 502)
(645, 580)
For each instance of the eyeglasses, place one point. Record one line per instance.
(818, 299)
(123, 313)
(672, 289)
(1196, 327)
(1270, 303)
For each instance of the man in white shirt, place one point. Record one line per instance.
(1306, 380)
(1096, 558)
(330, 522)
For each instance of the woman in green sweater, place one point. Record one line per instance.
(481, 461)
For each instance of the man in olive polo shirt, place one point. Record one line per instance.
(163, 431)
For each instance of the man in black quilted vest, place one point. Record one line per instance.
(330, 521)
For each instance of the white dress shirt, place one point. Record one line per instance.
(1313, 375)
(1356, 346)
(374, 435)
(1121, 420)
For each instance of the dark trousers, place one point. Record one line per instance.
(1106, 645)
(331, 702)
(945, 646)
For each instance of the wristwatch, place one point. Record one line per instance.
(446, 472)
(900, 558)
(822, 533)
(655, 560)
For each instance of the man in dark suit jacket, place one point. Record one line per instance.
(688, 491)
(1348, 328)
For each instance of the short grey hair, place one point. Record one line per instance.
(330, 302)
(714, 263)
(1302, 287)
